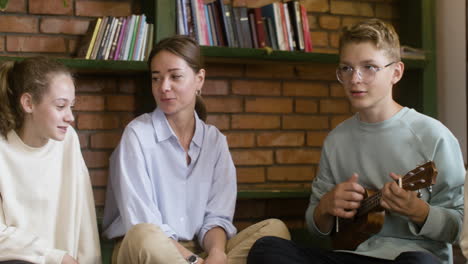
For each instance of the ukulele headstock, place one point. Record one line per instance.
(421, 177)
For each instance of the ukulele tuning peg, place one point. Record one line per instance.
(422, 181)
(421, 168)
(429, 189)
(411, 184)
(419, 194)
(410, 173)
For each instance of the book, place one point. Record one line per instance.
(242, 24)
(218, 21)
(132, 38)
(122, 35)
(284, 25)
(305, 28)
(212, 25)
(87, 42)
(290, 32)
(138, 38)
(115, 39)
(259, 27)
(297, 24)
(99, 37)
(275, 30)
(105, 38)
(128, 38)
(150, 40)
(208, 25)
(253, 29)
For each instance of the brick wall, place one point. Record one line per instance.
(275, 115)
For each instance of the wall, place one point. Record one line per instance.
(451, 68)
(275, 115)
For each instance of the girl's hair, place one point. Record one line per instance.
(381, 34)
(33, 76)
(188, 49)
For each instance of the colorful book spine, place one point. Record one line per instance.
(306, 30)
(93, 39)
(128, 38)
(121, 38)
(133, 38)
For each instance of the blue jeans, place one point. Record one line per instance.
(274, 250)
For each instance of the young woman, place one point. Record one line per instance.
(172, 187)
(47, 210)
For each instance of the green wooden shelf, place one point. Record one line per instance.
(100, 66)
(271, 194)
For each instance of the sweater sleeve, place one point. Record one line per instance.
(445, 218)
(17, 244)
(89, 250)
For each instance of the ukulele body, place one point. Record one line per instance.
(354, 231)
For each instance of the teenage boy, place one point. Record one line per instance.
(371, 150)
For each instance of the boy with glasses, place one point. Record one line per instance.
(371, 150)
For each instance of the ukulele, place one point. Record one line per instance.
(369, 218)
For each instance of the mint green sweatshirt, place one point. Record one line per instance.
(398, 145)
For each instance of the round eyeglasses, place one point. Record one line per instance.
(366, 74)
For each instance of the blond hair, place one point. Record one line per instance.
(374, 30)
(33, 76)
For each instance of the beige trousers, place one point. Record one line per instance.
(147, 244)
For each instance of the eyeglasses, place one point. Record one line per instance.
(366, 74)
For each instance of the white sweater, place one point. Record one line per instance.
(47, 207)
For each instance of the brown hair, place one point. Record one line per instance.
(374, 30)
(188, 49)
(31, 76)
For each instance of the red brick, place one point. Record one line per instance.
(386, 11)
(2, 43)
(252, 157)
(99, 196)
(316, 5)
(255, 122)
(99, 177)
(84, 139)
(35, 44)
(316, 139)
(127, 85)
(121, 103)
(297, 156)
(223, 104)
(18, 24)
(330, 22)
(72, 46)
(313, 24)
(271, 70)
(280, 139)
(319, 38)
(351, 8)
(56, 7)
(291, 173)
(100, 8)
(215, 87)
(97, 121)
(305, 122)
(250, 175)
(107, 140)
(268, 105)
(240, 140)
(334, 106)
(305, 89)
(224, 70)
(322, 72)
(334, 39)
(96, 85)
(336, 120)
(89, 103)
(256, 87)
(337, 90)
(64, 26)
(96, 159)
(349, 21)
(306, 106)
(222, 122)
(16, 6)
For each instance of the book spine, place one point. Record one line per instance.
(128, 38)
(93, 38)
(105, 37)
(133, 38)
(115, 40)
(260, 28)
(305, 28)
(292, 44)
(300, 32)
(121, 38)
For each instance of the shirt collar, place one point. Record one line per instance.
(164, 130)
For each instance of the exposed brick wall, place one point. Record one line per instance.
(275, 115)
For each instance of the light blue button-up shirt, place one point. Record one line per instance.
(150, 181)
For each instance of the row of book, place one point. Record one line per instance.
(118, 38)
(281, 26)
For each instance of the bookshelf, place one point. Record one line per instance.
(416, 26)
